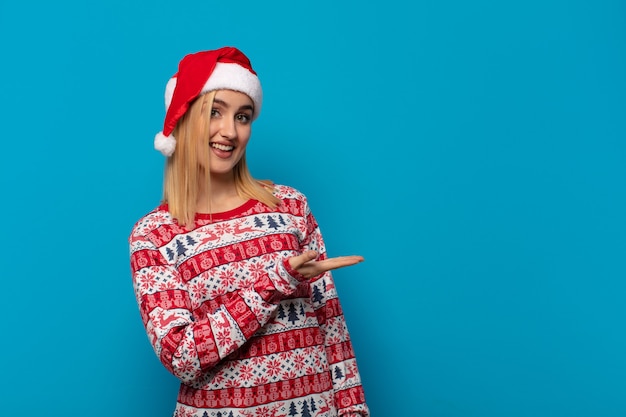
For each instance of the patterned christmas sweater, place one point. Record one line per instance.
(226, 314)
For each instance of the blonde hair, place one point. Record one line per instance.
(184, 174)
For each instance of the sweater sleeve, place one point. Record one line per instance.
(348, 390)
(188, 345)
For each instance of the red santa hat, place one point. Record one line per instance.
(222, 69)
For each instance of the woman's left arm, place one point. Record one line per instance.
(313, 262)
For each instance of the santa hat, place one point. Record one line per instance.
(225, 68)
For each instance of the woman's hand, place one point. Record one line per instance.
(307, 266)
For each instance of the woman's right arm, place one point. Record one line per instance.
(188, 345)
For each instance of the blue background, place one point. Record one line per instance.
(473, 152)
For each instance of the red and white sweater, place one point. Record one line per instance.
(245, 333)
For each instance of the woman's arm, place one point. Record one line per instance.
(348, 390)
(188, 345)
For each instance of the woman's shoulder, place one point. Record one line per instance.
(286, 192)
(156, 218)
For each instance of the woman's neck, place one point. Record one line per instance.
(220, 196)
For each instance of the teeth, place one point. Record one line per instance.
(222, 147)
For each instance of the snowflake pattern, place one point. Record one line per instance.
(224, 315)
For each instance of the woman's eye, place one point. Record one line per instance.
(243, 118)
(214, 113)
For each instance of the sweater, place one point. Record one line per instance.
(225, 313)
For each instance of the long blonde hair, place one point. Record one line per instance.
(184, 174)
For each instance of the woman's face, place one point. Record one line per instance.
(229, 131)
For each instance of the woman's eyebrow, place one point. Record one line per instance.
(225, 104)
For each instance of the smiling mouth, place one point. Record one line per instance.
(220, 147)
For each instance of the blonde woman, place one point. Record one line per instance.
(230, 273)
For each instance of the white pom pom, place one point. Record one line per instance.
(164, 144)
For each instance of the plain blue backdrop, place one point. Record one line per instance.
(473, 152)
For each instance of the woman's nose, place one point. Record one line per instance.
(227, 128)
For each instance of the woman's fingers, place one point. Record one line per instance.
(306, 265)
(297, 261)
(339, 262)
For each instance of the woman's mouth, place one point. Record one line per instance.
(221, 147)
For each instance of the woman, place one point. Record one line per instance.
(231, 274)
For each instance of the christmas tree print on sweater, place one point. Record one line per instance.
(225, 313)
